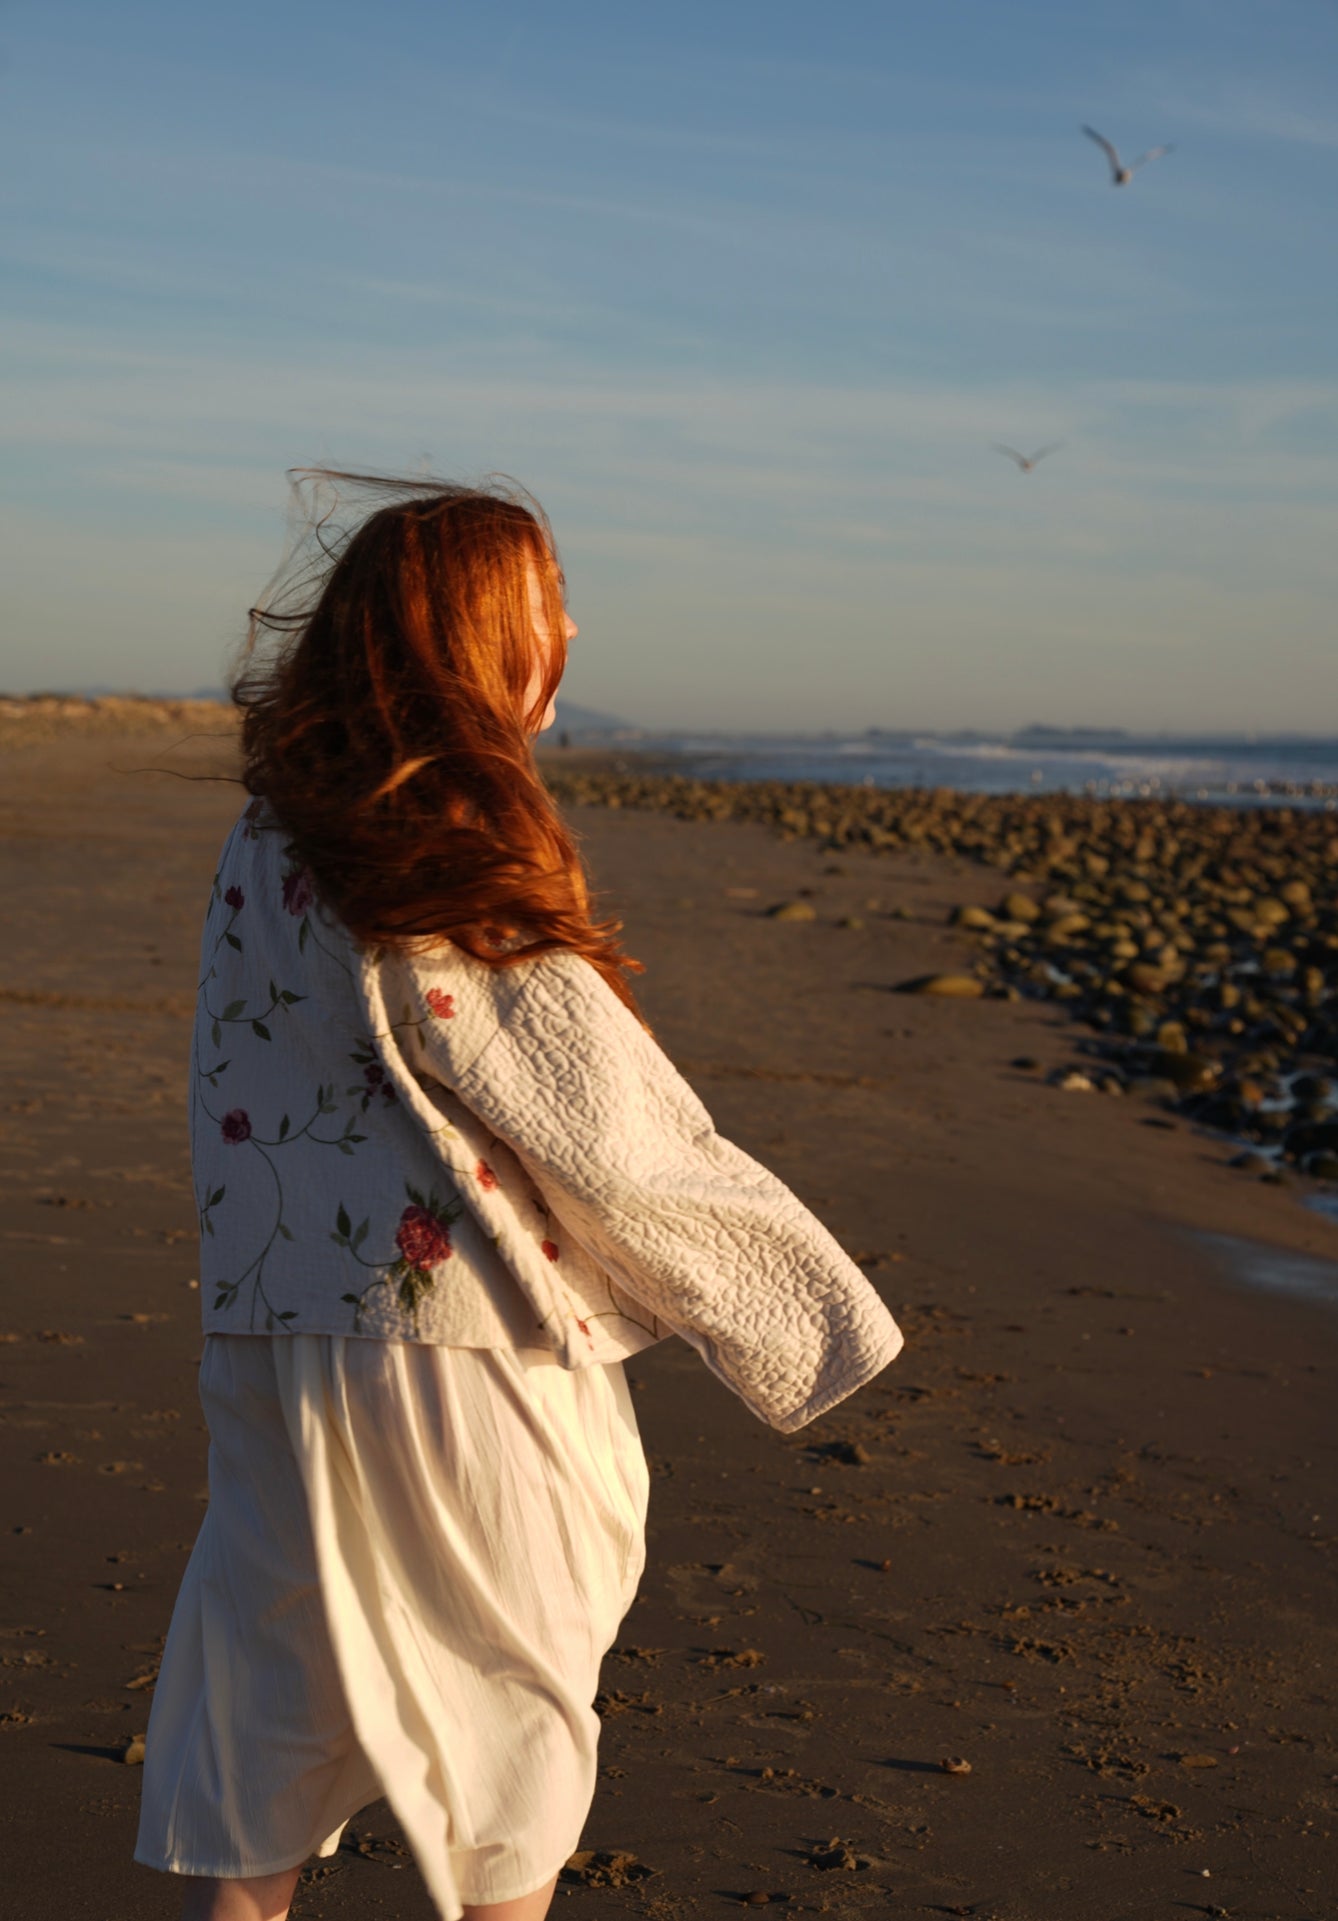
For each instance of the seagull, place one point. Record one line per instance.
(1120, 175)
(1026, 462)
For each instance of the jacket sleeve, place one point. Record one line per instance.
(629, 1161)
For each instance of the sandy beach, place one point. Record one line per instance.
(1077, 1543)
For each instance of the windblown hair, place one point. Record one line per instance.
(384, 720)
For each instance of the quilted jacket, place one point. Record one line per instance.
(425, 1148)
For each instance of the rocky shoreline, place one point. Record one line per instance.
(1199, 945)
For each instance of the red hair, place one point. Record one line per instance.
(387, 728)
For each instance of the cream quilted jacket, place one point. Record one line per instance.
(429, 1149)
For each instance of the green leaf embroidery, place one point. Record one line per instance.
(217, 1033)
(289, 1314)
(287, 1235)
(221, 1299)
(290, 999)
(352, 1298)
(360, 1234)
(342, 1221)
(284, 1125)
(259, 1027)
(273, 992)
(302, 933)
(233, 941)
(232, 1010)
(216, 1196)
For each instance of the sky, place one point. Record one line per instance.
(744, 292)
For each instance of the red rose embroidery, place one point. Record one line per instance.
(373, 1074)
(584, 1327)
(236, 899)
(485, 1176)
(550, 1249)
(422, 1239)
(387, 1094)
(442, 1005)
(298, 892)
(236, 1127)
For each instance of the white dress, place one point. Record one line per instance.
(356, 1619)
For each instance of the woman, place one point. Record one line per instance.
(447, 1184)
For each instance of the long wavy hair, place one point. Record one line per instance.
(386, 720)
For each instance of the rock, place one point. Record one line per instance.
(1311, 1137)
(954, 1764)
(976, 919)
(132, 1754)
(1324, 1166)
(1025, 1063)
(1270, 912)
(1250, 1163)
(851, 921)
(1151, 1087)
(1171, 1038)
(1071, 1081)
(1187, 1072)
(1019, 907)
(793, 910)
(1141, 977)
(957, 987)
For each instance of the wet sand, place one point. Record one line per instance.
(1079, 1536)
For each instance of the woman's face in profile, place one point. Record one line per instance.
(544, 642)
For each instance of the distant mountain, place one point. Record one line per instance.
(1039, 731)
(587, 723)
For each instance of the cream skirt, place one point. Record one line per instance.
(413, 1560)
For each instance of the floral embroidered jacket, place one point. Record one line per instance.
(424, 1148)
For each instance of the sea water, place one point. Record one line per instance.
(1232, 769)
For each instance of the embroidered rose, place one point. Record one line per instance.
(236, 899)
(442, 1005)
(550, 1250)
(298, 892)
(388, 1095)
(485, 1177)
(422, 1239)
(373, 1073)
(236, 1127)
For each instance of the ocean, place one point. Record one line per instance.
(1239, 769)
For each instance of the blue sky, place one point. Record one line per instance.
(744, 292)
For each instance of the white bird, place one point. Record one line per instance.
(1120, 175)
(1027, 461)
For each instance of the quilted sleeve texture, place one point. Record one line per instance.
(629, 1161)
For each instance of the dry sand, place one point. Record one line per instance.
(1079, 1536)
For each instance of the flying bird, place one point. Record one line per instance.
(1120, 175)
(1026, 462)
